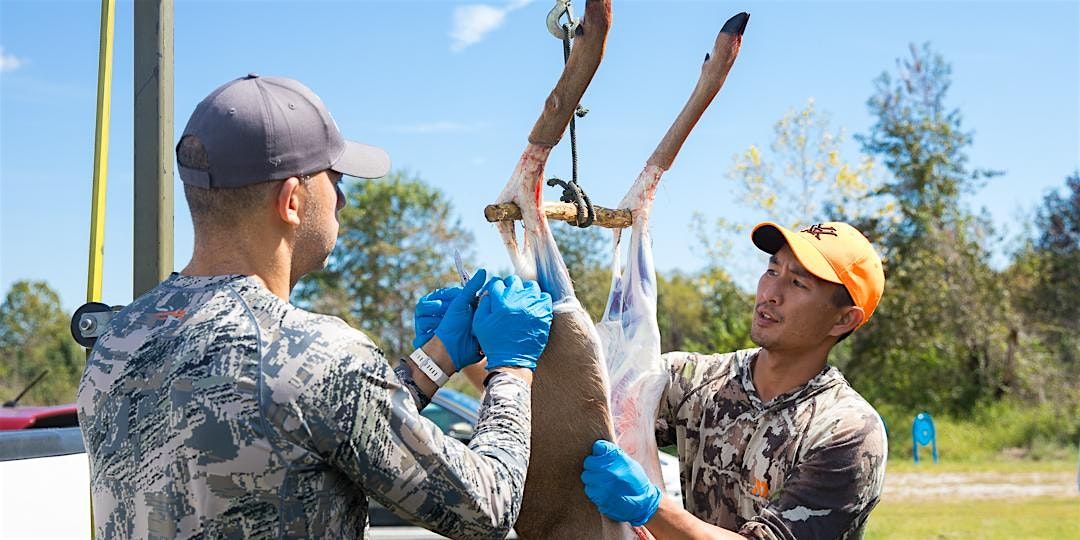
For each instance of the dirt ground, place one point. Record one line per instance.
(901, 486)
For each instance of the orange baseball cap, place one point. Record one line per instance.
(833, 251)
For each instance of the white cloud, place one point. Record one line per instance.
(10, 62)
(438, 127)
(473, 22)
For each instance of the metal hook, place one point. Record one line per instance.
(556, 13)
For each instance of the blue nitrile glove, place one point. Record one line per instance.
(429, 312)
(455, 326)
(512, 322)
(618, 486)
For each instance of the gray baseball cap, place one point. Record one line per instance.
(255, 129)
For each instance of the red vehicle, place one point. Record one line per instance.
(33, 416)
(14, 416)
(43, 471)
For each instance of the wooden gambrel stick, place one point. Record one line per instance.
(562, 211)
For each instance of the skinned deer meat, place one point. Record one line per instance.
(570, 394)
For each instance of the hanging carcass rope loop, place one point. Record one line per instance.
(572, 190)
(577, 208)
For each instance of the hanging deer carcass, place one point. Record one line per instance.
(573, 405)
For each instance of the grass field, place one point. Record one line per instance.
(996, 516)
(982, 519)
(997, 465)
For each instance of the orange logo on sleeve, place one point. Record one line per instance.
(166, 315)
(761, 488)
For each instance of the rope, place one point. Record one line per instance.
(572, 191)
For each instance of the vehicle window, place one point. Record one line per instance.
(58, 421)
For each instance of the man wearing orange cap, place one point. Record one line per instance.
(773, 442)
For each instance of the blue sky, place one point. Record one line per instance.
(451, 90)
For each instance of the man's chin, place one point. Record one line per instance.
(760, 341)
(314, 266)
(325, 259)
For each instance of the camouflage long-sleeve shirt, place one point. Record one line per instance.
(807, 464)
(213, 408)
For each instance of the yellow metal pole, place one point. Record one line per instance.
(101, 152)
(101, 167)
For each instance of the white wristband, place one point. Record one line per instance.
(429, 367)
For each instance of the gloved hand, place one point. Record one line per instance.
(618, 486)
(429, 312)
(448, 314)
(512, 323)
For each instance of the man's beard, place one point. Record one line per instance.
(757, 340)
(761, 341)
(313, 245)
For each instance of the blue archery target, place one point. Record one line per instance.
(923, 430)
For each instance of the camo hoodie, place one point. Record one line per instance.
(212, 408)
(808, 464)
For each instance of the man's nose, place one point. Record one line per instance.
(770, 292)
(340, 198)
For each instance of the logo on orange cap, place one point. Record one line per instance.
(817, 230)
(833, 251)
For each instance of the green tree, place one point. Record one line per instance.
(804, 174)
(703, 312)
(1055, 300)
(1045, 289)
(588, 256)
(939, 336)
(397, 242)
(696, 312)
(801, 178)
(35, 336)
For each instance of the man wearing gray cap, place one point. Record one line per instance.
(212, 407)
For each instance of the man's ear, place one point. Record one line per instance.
(287, 203)
(849, 320)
